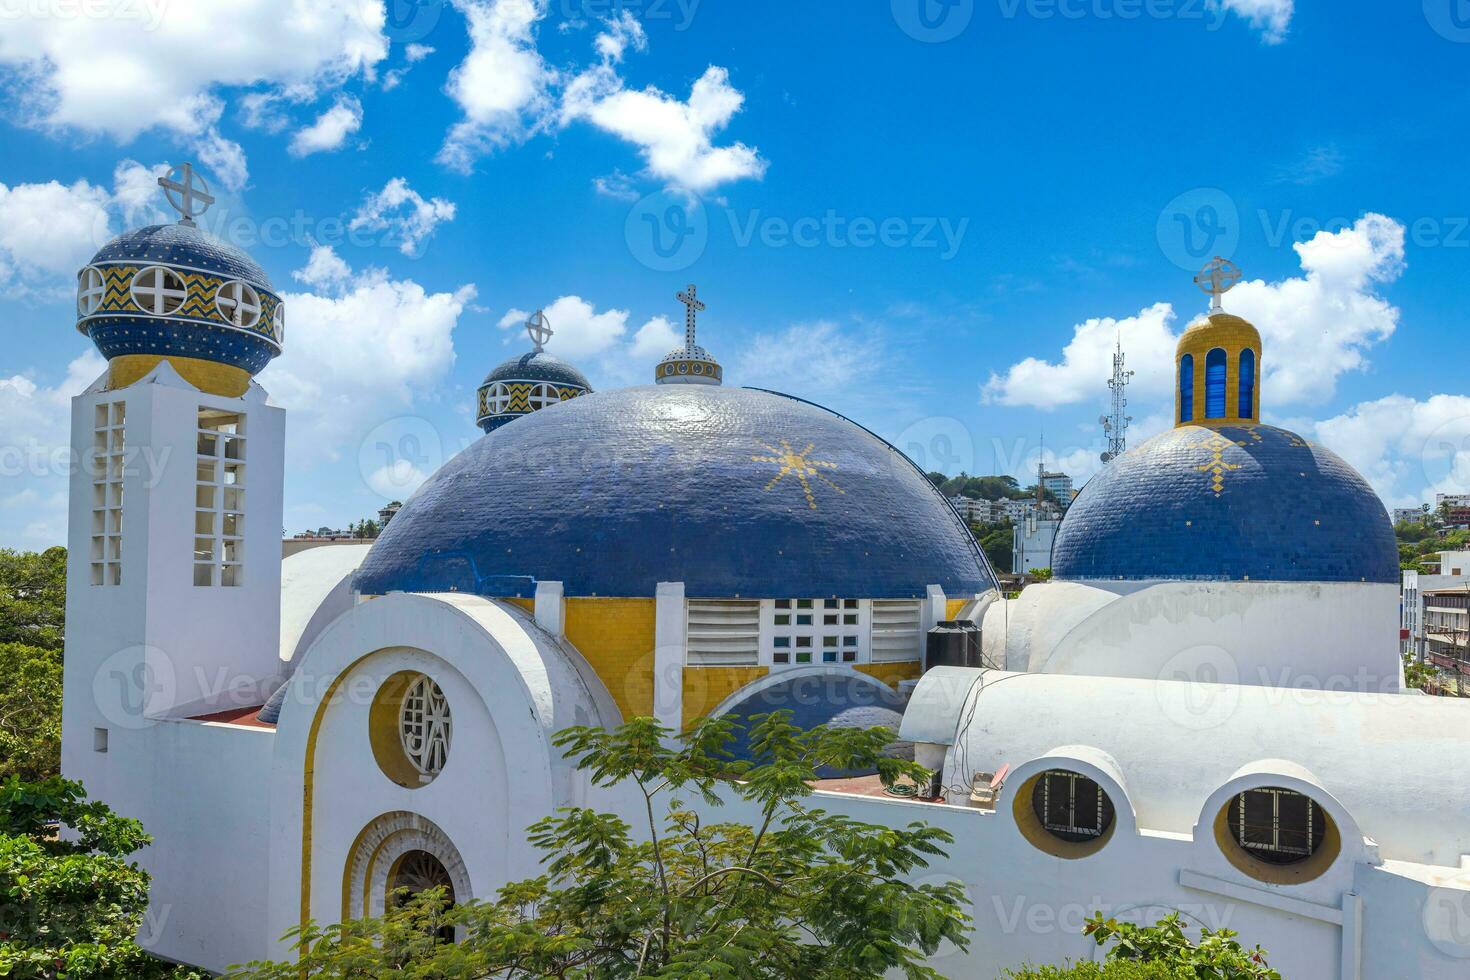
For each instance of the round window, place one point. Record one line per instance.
(90, 291)
(158, 290)
(238, 303)
(1064, 813)
(410, 728)
(280, 318)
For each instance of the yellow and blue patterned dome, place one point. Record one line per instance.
(524, 384)
(733, 491)
(1227, 502)
(178, 293)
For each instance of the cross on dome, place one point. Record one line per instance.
(1217, 278)
(184, 189)
(538, 328)
(693, 307)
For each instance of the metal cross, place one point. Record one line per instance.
(692, 309)
(184, 189)
(1217, 278)
(539, 330)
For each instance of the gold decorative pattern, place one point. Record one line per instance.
(199, 303)
(798, 464)
(1216, 444)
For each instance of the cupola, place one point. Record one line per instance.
(690, 364)
(528, 383)
(1218, 360)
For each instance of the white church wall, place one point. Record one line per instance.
(510, 689)
(1337, 636)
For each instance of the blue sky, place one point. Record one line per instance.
(934, 217)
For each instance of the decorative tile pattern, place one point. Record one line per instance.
(614, 492)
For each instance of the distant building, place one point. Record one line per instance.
(1453, 508)
(386, 514)
(979, 511)
(1031, 542)
(1408, 515)
(1423, 605)
(1059, 485)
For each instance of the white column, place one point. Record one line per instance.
(550, 609)
(932, 611)
(668, 655)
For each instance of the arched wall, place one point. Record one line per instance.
(510, 689)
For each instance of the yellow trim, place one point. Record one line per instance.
(210, 377)
(1042, 839)
(615, 636)
(1233, 335)
(384, 735)
(954, 608)
(1277, 874)
(347, 869)
(891, 674)
(529, 605)
(705, 687)
(308, 787)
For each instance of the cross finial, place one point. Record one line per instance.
(538, 328)
(1217, 278)
(692, 306)
(186, 192)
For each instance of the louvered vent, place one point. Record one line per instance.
(895, 630)
(724, 633)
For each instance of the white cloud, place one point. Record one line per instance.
(331, 128)
(811, 358)
(134, 69)
(35, 442)
(417, 52)
(655, 339)
(578, 329)
(1270, 17)
(621, 31)
(502, 84)
(223, 158)
(675, 137)
(362, 349)
(404, 213)
(1314, 328)
(1407, 448)
(48, 231)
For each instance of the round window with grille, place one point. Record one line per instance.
(158, 290)
(411, 729)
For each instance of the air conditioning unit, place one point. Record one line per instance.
(953, 643)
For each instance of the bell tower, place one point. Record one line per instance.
(174, 561)
(1218, 360)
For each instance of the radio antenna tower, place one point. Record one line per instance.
(1115, 425)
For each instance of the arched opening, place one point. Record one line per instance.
(1186, 388)
(415, 872)
(1247, 384)
(1071, 807)
(1215, 384)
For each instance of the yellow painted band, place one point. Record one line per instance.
(210, 377)
(1277, 874)
(1232, 335)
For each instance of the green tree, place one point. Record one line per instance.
(30, 712)
(1158, 951)
(996, 542)
(794, 893)
(33, 597)
(1418, 675)
(74, 904)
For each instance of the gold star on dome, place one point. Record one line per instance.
(798, 464)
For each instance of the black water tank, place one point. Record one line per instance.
(953, 643)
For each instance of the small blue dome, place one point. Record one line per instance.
(538, 366)
(732, 491)
(835, 699)
(211, 302)
(183, 245)
(1230, 502)
(525, 384)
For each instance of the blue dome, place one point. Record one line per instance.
(538, 366)
(734, 492)
(207, 275)
(1228, 502)
(835, 699)
(183, 245)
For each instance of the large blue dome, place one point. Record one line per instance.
(1229, 502)
(732, 491)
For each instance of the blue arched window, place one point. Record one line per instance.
(1186, 388)
(1215, 384)
(1247, 384)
